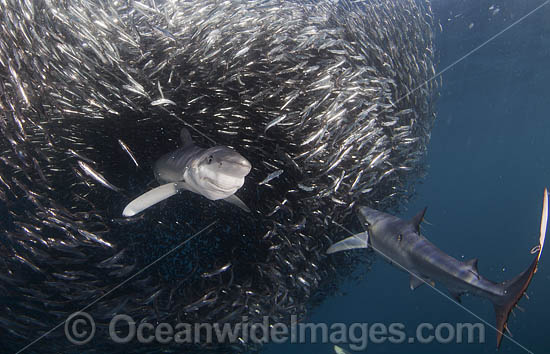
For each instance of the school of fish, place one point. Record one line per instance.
(331, 102)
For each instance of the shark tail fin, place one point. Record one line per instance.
(514, 290)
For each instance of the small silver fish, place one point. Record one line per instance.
(163, 102)
(271, 176)
(80, 156)
(93, 237)
(97, 176)
(274, 122)
(128, 151)
(217, 271)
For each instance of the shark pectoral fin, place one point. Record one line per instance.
(233, 199)
(360, 240)
(182, 186)
(150, 198)
(416, 281)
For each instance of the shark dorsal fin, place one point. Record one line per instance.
(185, 137)
(417, 219)
(472, 263)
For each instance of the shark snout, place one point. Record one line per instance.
(368, 215)
(229, 163)
(221, 172)
(238, 165)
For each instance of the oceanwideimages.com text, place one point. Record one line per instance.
(80, 329)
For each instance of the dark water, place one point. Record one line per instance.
(489, 163)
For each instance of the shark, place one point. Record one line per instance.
(215, 173)
(401, 243)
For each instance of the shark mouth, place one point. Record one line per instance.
(226, 185)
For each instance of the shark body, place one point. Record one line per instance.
(215, 173)
(400, 242)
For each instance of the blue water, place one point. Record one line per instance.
(489, 163)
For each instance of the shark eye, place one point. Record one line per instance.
(210, 158)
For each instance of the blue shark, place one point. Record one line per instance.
(215, 173)
(401, 243)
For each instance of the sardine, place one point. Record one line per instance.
(217, 271)
(271, 176)
(128, 151)
(97, 176)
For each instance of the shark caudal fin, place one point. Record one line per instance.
(515, 289)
